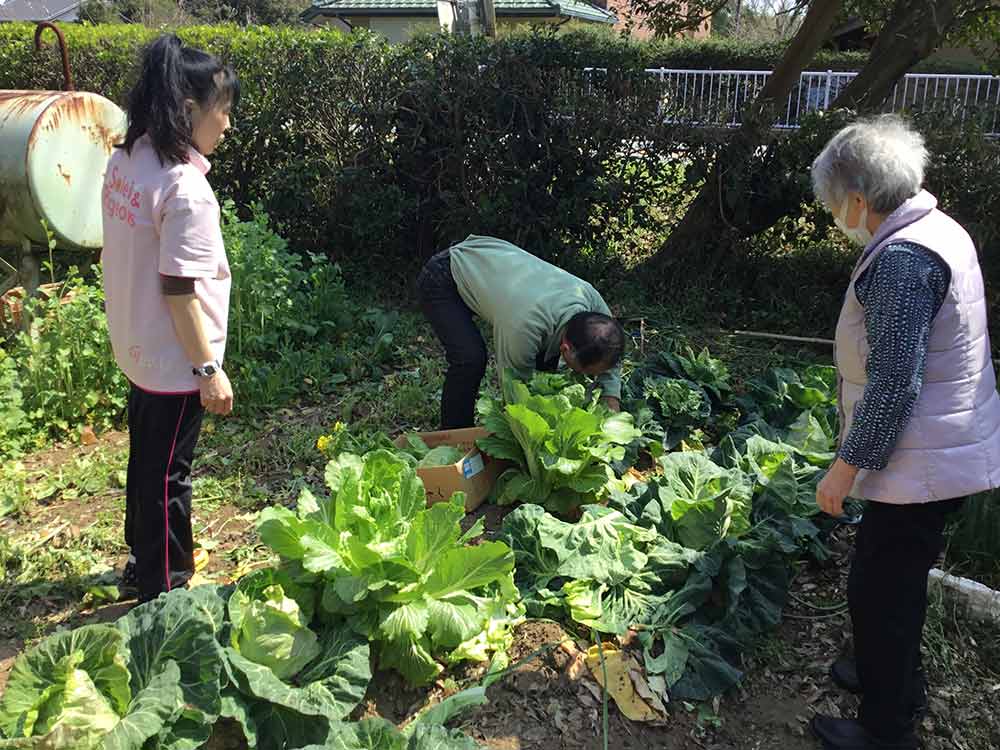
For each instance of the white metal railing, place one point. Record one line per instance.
(717, 98)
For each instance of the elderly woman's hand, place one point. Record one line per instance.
(834, 488)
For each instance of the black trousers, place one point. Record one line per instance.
(897, 545)
(454, 325)
(163, 432)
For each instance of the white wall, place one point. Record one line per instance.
(397, 29)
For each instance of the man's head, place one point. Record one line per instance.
(593, 343)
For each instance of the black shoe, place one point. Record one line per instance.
(128, 582)
(844, 673)
(848, 734)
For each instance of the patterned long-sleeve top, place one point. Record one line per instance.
(901, 293)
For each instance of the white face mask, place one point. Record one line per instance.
(859, 235)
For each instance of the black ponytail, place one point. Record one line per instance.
(172, 73)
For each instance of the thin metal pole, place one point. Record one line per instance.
(30, 272)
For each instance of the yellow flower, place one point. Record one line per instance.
(323, 443)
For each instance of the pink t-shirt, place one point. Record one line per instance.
(160, 220)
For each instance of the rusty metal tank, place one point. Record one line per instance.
(54, 148)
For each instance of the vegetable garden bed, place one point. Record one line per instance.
(684, 567)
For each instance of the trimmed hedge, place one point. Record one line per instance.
(380, 154)
(358, 148)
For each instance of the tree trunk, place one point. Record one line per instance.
(914, 30)
(706, 226)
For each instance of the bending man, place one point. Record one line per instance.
(539, 314)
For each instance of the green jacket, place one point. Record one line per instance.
(526, 300)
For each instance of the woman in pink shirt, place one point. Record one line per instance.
(166, 283)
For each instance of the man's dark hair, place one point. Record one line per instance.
(596, 339)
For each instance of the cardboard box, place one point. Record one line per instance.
(474, 475)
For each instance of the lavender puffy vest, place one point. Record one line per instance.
(951, 446)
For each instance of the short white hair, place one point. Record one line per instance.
(883, 158)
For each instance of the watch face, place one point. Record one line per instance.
(210, 370)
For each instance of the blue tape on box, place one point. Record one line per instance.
(472, 466)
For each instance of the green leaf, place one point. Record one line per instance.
(434, 531)
(370, 734)
(189, 731)
(74, 713)
(279, 714)
(150, 710)
(408, 621)
(584, 601)
(448, 709)
(237, 706)
(252, 587)
(619, 428)
(411, 658)
(282, 531)
(503, 448)
(450, 624)
(405, 579)
(468, 568)
(705, 502)
(36, 676)
(178, 627)
(442, 455)
(279, 728)
(708, 673)
(439, 738)
(672, 662)
(564, 444)
(273, 633)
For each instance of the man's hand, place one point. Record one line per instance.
(835, 487)
(217, 393)
(613, 403)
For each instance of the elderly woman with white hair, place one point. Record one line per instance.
(920, 415)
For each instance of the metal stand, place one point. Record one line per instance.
(30, 271)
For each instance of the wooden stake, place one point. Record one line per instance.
(783, 337)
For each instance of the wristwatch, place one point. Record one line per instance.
(207, 370)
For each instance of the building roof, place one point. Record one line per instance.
(38, 10)
(542, 8)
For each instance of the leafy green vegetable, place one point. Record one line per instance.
(72, 712)
(781, 396)
(563, 445)
(680, 407)
(680, 401)
(395, 571)
(277, 714)
(443, 455)
(426, 732)
(179, 628)
(72, 690)
(704, 502)
(272, 632)
(606, 572)
(41, 673)
(702, 369)
(416, 446)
